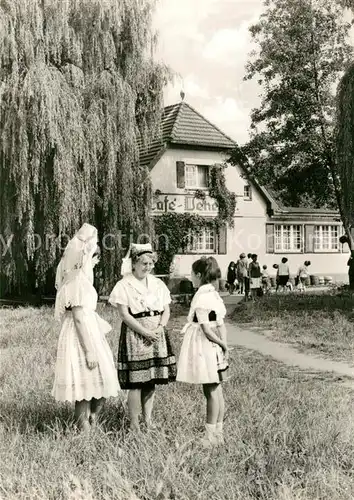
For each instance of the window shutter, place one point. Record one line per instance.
(222, 240)
(180, 174)
(269, 238)
(309, 238)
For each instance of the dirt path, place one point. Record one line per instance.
(287, 354)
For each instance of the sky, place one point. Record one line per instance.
(207, 43)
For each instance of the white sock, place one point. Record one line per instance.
(210, 429)
(219, 427)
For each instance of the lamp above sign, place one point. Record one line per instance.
(163, 203)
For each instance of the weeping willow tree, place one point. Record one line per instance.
(79, 90)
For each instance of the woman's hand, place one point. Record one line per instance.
(129, 320)
(151, 336)
(91, 360)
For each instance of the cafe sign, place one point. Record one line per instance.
(164, 203)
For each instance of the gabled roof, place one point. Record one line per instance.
(183, 125)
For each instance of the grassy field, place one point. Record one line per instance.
(290, 435)
(320, 323)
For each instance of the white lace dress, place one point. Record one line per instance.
(74, 381)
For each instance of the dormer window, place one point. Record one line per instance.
(247, 192)
(196, 176)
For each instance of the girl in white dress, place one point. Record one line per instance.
(145, 357)
(203, 355)
(85, 371)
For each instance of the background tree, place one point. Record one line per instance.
(79, 89)
(345, 144)
(345, 150)
(303, 51)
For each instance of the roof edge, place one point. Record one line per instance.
(158, 155)
(210, 123)
(176, 119)
(174, 142)
(306, 211)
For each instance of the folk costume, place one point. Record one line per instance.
(74, 381)
(140, 361)
(202, 361)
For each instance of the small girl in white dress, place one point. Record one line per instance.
(203, 355)
(85, 371)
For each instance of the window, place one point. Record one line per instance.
(287, 238)
(326, 238)
(196, 176)
(247, 194)
(203, 242)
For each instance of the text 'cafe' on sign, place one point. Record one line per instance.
(183, 203)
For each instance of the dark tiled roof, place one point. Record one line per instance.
(304, 213)
(183, 125)
(304, 210)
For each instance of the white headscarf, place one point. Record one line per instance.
(134, 249)
(76, 261)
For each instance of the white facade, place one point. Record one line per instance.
(255, 230)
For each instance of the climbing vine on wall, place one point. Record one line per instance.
(175, 232)
(225, 199)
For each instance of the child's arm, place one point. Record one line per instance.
(84, 337)
(203, 319)
(223, 333)
(210, 335)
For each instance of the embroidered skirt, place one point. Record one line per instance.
(142, 362)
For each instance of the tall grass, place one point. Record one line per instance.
(289, 435)
(320, 323)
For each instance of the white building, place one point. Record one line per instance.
(179, 163)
